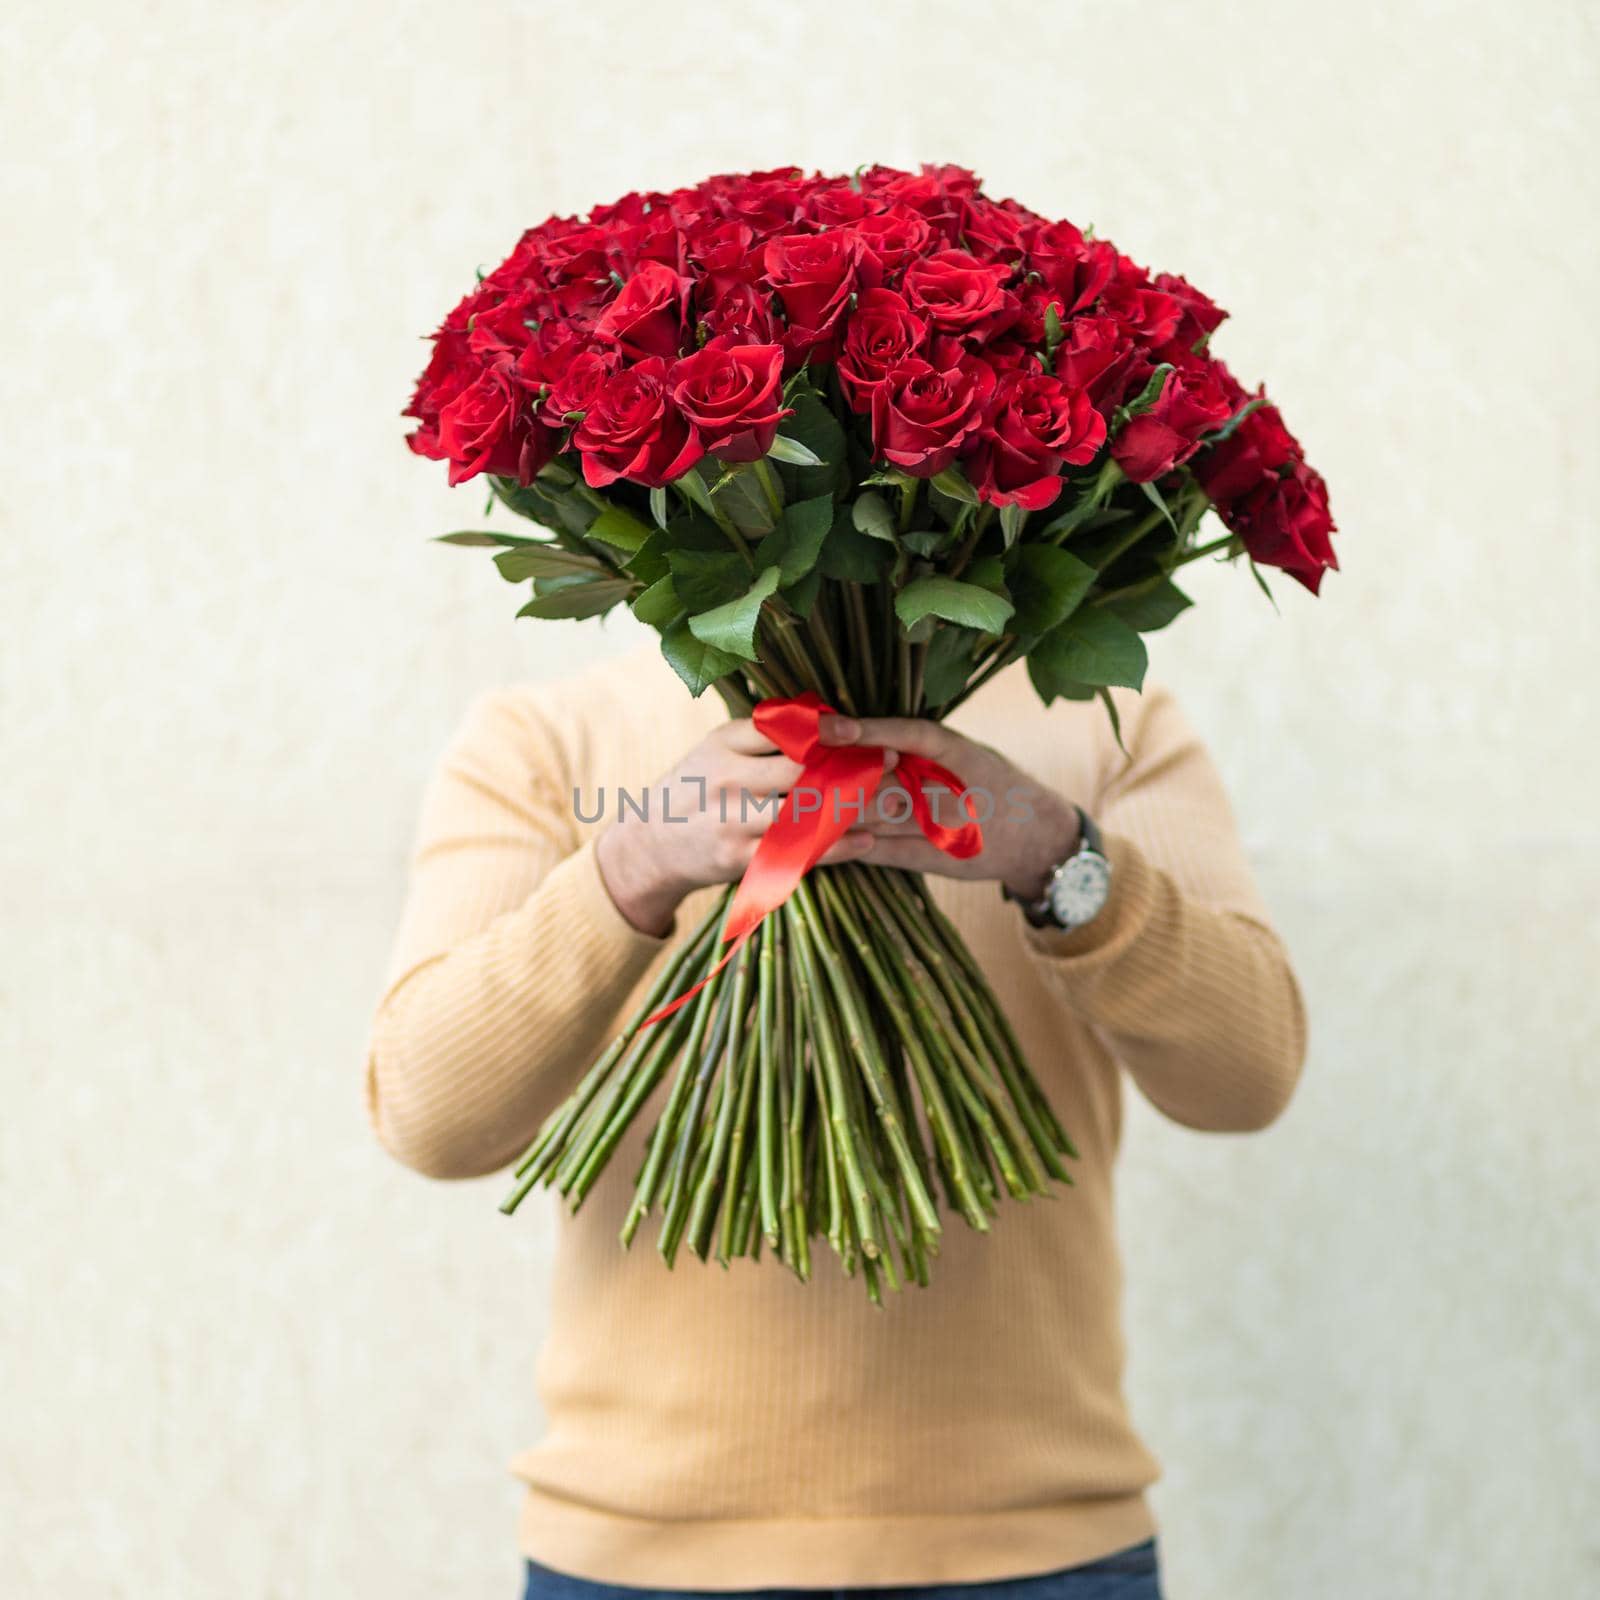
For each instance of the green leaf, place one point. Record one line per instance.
(871, 514)
(658, 506)
(925, 542)
(544, 561)
(579, 599)
(1053, 331)
(954, 601)
(1116, 719)
(1092, 647)
(1227, 429)
(849, 556)
(732, 627)
(1085, 502)
(795, 453)
(476, 540)
(1152, 608)
(659, 605)
(699, 664)
(1047, 585)
(813, 427)
(1011, 520)
(797, 542)
(693, 530)
(695, 488)
(802, 596)
(558, 473)
(1261, 584)
(953, 482)
(989, 572)
(649, 562)
(1145, 398)
(1051, 685)
(1154, 496)
(708, 578)
(948, 664)
(738, 496)
(618, 528)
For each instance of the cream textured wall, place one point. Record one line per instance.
(243, 1354)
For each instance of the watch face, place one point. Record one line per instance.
(1080, 888)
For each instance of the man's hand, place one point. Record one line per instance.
(718, 802)
(1027, 830)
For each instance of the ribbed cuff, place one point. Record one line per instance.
(589, 918)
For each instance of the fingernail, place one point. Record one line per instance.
(842, 730)
(891, 760)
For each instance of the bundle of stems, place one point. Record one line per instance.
(847, 1069)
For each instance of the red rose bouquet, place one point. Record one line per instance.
(862, 442)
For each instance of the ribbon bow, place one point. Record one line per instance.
(843, 779)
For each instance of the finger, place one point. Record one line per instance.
(915, 855)
(838, 729)
(744, 738)
(890, 813)
(764, 775)
(914, 735)
(852, 847)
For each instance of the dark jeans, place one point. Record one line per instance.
(1128, 1575)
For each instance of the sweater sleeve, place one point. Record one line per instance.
(1181, 973)
(510, 961)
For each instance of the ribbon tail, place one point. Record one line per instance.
(918, 774)
(689, 994)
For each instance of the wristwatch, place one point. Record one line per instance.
(1079, 886)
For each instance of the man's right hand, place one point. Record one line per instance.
(709, 827)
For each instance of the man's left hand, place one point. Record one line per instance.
(1027, 829)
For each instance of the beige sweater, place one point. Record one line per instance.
(721, 1429)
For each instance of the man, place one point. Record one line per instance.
(717, 1430)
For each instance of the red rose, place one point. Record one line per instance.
(1150, 317)
(960, 294)
(1285, 522)
(883, 332)
(504, 329)
(1192, 403)
(476, 428)
(1075, 270)
(733, 307)
(647, 316)
(835, 205)
(768, 201)
(1199, 316)
(732, 394)
(922, 415)
(579, 382)
(723, 247)
(894, 237)
(1095, 354)
(579, 252)
(633, 430)
(1260, 447)
(937, 194)
(994, 232)
(815, 274)
(1036, 426)
(450, 369)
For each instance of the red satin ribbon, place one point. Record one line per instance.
(835, 786)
